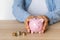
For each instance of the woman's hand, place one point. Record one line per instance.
(27, 23)
(45, 24)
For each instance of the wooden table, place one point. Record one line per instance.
(8, 27)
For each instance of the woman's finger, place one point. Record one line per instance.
(45, 23)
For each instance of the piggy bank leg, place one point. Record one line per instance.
(39, 32)
(28, 30)
(32, 32)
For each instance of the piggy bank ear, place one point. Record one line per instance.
(32, 20)
(41, 20)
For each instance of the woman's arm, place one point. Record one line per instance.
(53, 16)
(18, 10)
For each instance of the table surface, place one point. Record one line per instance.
(8, 27)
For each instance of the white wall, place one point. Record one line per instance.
(6, 10)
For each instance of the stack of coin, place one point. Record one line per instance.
(19, 33)
(23, 33)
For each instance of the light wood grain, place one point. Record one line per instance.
(8, 27)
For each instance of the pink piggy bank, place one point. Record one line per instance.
(36, 25)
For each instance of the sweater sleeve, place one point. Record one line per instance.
(54, 16)
(19, 11)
